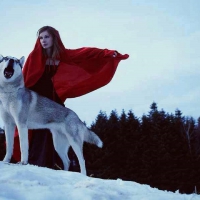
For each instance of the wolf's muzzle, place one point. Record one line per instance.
(9, 71)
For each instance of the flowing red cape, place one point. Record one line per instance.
(80, 71)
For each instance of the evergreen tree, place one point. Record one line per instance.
(2, 144)
(94, 157)
(112, 145)
(133, 161)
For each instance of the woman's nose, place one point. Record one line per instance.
(42, 39)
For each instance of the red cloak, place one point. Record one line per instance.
(80, 71)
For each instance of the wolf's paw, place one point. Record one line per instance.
(6, 160)
(22, 163)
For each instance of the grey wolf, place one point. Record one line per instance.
(25, 109)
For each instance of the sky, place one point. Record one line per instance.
(30, 182)
(161, 37)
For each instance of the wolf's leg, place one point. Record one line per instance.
(61, 145)
(23, 137)
(77, 146)
(9, 133)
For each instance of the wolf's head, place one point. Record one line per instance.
(10, 66)
(11, 73)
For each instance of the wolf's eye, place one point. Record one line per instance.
(18, 62)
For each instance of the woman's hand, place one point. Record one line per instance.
(115, 54)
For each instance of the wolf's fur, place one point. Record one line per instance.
(26, 109)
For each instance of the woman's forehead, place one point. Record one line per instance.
(43, 33)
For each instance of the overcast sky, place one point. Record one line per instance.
(161, 37)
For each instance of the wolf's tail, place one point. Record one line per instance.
(92, 138)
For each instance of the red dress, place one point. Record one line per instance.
(80, 71)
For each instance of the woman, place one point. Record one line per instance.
(59, 73)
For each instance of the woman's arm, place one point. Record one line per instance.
(83, 53)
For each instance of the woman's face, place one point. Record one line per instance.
(46, 40)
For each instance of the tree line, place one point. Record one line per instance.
(158, 149)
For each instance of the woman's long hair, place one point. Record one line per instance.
(56, 49)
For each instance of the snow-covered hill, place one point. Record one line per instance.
(36, 183)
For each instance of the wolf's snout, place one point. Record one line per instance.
(9, 71)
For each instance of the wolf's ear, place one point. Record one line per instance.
(22, 59)
(1, 57)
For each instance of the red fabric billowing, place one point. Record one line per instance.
(80, 71)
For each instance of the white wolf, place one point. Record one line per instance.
(26, 109)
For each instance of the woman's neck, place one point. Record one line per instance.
(49, 52)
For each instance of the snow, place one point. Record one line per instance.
(29, 182)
